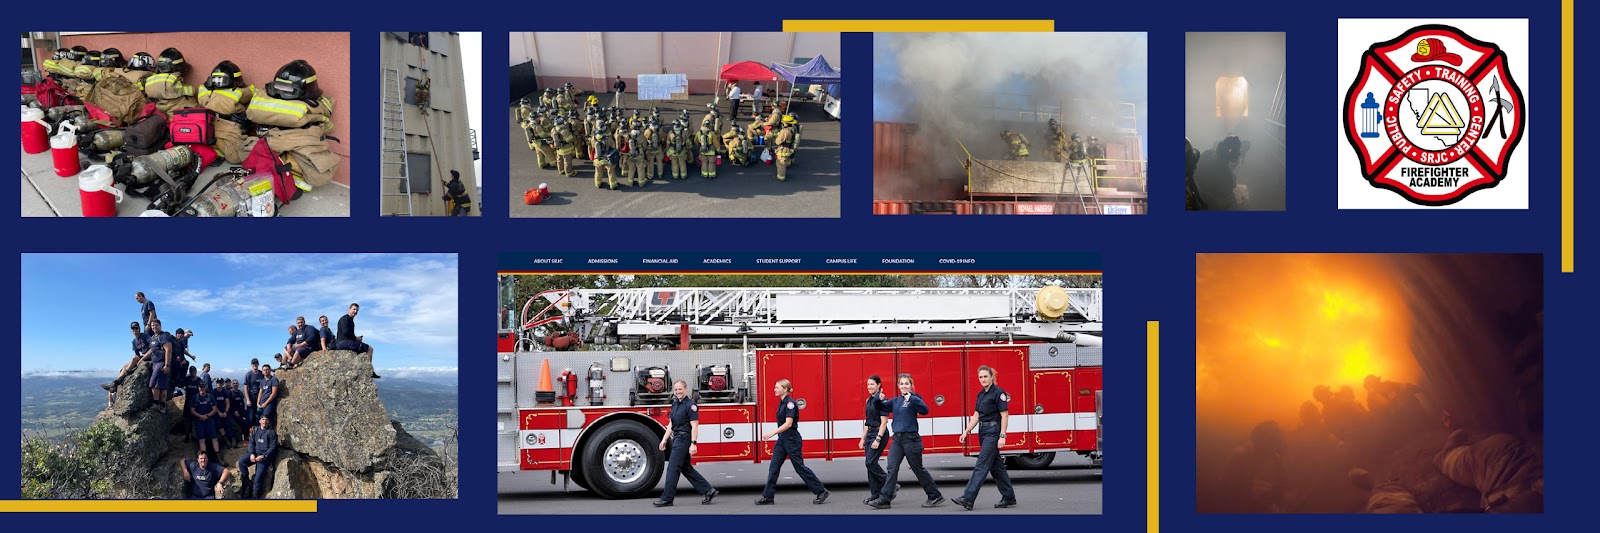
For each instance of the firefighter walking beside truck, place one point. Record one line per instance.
(684, 437)
(990, 418)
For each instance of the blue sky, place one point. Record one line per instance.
(76, 307)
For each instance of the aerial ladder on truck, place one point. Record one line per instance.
(677, 317)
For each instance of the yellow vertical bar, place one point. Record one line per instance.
(1153, 426)
(1568, 96)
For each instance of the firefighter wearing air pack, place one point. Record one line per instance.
(1017, 144)
(603, 170)
(678, 143)
(706, 141)
(784, 144)
(566, 147)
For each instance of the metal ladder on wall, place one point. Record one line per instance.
(394, 142)
(1276, 117)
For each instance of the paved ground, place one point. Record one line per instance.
(811, 190)
(44, 194)
(1069, 486)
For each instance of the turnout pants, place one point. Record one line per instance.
(875, 473)
(680, 166)
(990, 463)
(678, 463)
(708, 167)
(907, 446)
(788, 448)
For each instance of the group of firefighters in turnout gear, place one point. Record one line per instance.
(562, 127)
(1064, 148)
(290, 112)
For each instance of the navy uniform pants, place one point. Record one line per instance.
(907, 446)
(788, 448)
(990, 463)
(258, 479)
(875, 473)
(678, 463)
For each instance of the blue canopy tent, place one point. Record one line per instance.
(816, 71)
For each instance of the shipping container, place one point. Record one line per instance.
(1107, 205)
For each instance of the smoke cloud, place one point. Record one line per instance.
(968, 87)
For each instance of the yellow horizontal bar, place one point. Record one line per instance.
(882, 26)
(158, 506)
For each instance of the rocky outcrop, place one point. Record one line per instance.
(336, 440)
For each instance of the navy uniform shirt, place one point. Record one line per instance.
(204, 481)
(204, 403)
(905, 413)
(267, 386)
(788, 409)
(991, 402)
(141, 344)
(146, 310)
(252, 383)
(305, 334)
(160, 354)
(179, 346)
(876, 408)
(327, 336)
(683, 412)
(205, 381)
(263, 442)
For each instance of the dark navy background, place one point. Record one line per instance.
(1148, 260)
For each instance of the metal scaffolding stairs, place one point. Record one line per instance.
(394, 142)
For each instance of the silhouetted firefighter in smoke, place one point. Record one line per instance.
(1254, 479)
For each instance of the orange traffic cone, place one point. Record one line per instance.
(546, 393)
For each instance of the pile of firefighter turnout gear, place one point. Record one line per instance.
(139, 116)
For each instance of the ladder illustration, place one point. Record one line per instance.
(394, 142)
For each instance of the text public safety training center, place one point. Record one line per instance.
(599, 423)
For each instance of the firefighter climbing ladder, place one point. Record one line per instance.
(394, 142)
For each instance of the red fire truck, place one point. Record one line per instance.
(572, 402)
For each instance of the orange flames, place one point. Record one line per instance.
(1270, 327)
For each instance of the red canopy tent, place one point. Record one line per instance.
(747, 70)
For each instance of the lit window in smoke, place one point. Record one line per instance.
(1233, 97)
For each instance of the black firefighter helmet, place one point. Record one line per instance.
(295, 81)
(62, 53)
(77, 54)
(225, 75)
(171, 60)
(92, 58)
(111, 57)
(141, 61)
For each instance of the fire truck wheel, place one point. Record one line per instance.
(621, 461)
(1032, 461)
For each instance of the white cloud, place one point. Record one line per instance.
(406, 300)
(414, 372)
(92, 373)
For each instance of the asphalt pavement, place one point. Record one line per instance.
(1070, 485)
(811, 189)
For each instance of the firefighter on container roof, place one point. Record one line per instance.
(1017, 143)
(684, 435)
(788, 447)
(990, 419)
